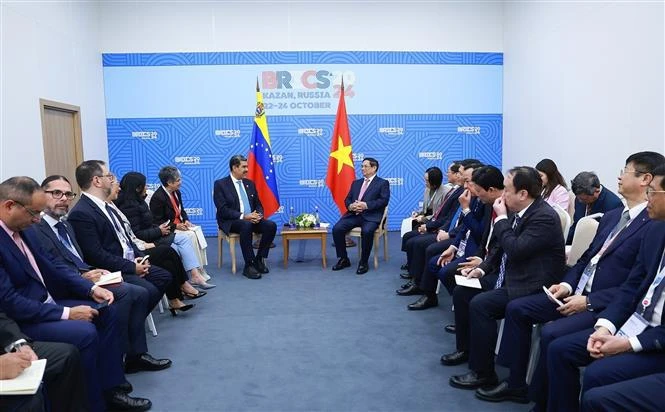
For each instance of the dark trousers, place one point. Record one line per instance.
(98, 345)
(462, 297)
(166, 258)
(344, 225)
(244, 228)
(155, 282)
(568, 353)
(407, 236)
(131, 303)
(415, 252)
(639, 394)
(484, 310)
(446, 274)
(63, 378)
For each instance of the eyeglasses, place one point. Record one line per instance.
(33, 213)
(650, 192)
(624, 171)
(58, 194)
(110, 176)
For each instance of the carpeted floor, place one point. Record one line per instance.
(306, 339)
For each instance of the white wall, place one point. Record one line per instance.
(583, 84)
(48, 50)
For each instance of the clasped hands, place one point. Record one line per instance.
(602, 343)
(357, 207)
(254, 217)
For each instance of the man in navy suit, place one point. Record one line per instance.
(52, 303)
(628, 338)
(590, 197)
(528, 253)
(131, 301)
(638, 394)
(239, 210)
(366, 201)
(588, 287)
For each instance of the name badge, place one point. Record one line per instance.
(635, 325)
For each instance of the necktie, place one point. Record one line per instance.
(33, 263)
(456, 216)
(243, 198)
(363, 189)
(445, 198)
(625, 218)
(129, 251)
(648, 313)
(504, 259)
(65, 239)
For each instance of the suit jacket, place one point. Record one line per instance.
(635, 287)
(476, 221)
(535, 250)
(22, 291)
(228, 203)
(162, 209)
(615, 263)
(9, 332)
(140, 219)
(606, 201)
(52, 244)
(445, 217)
(97, 238)
(377, 196)
(432, 201)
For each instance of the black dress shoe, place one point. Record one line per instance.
(502, 392)
(410, 291)
(405, 276)
(362, 269)
(472, 380)
(146, 362)
(250, 272)
(406, 285)
(425, 302)
(455, 358)
(404, 267)
(450, 329)
(120, 401)
(342, 263)
(125, 387)
(260, 266)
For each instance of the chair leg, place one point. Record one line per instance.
(376, 252)
(151, 324)
(232, 247)
(220, 240)
(159, 305)
(385, 246)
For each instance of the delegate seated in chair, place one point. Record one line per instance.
(365, 204)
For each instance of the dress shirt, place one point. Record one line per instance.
(235, 186)
(124, 242)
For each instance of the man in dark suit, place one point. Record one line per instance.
(131, 301)
(628, 338)
(63, 376)
(366, 201)
(588, 287)
(239, 210)
(638, 394)
(528, 253)
(590, 197)
(51, 303)
(101, 236)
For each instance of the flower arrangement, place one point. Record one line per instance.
(304, 220)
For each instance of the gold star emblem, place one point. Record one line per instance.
(342, 154)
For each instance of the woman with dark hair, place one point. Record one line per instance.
(555, 191)
(433, 196)
(131, 202)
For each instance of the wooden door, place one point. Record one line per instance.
(61, 133)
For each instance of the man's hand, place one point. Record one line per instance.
(573, 304)
(472, 273)
(142, 269)
(613, 345)
(442, 235)
(12, 364)
(82, 312)
(25, 349)
(164, 228)
(422, 229)
(446, 256)
(419, 219)
(559, 291)
(465, 199)
(101, 294)
(471, 262)
(254, 217)
(500, 206)
(594, 343)
(94, 275)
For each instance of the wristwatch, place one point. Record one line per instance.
(14, 346)
(588, 305)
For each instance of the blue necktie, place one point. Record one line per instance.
(243, 198)
(66, 240)
(453, 222)
(504, 259)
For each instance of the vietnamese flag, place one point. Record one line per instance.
(259, 161)
(341, 171)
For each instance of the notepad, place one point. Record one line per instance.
(112, 278)
(27, 382)
(468, 282)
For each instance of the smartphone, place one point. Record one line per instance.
(144, 259)
(100, 305)
(167, 222)
(551, 297)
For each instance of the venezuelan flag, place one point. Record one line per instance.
(260, 161)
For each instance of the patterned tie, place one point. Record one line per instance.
(625, 218)
(363, 188)
(243, 198)
(129, 251)
(648, 313)
(504, 258)
(456, 218)
(64, 237)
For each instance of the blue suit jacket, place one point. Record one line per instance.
(228, 203)
(448, 210)
(635, 287)
(377, 196)
(606, 201)
(21, 290)
(617, 261)
(51, 244)
(97, 238)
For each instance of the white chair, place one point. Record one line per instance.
(381, 231)
(232, 239)
(564, 217)
(151, 324)
(584, 232)
(571, 204)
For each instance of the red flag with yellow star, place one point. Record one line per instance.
(341, 172)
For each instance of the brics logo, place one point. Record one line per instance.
(309, 79)
(145, 135)
(194, 211)
(188, 160)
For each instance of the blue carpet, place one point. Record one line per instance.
(306, 339)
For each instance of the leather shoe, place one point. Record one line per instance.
(406, 285)
(410, 291)
(362, 269)
(125, 387)
(146, 362)
(405, 276)
(425, 302)
(502, 392)
(120, 401)
(260, 266)
(472, 380)
(404, 267)
(250, 272)
(342, 263)
(450, 329)
(455, 358)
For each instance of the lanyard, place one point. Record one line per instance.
(646, 302)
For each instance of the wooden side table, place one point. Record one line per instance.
(298, 234)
